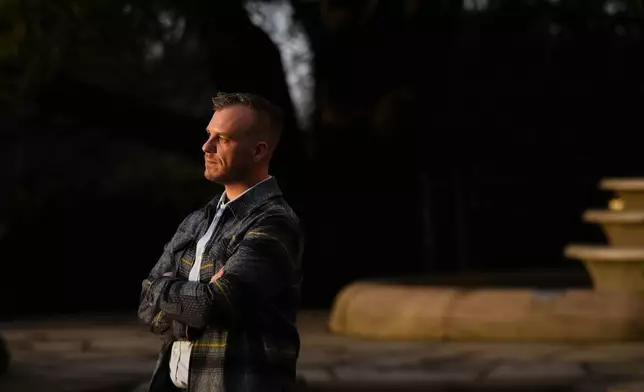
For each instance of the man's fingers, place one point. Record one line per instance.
(218, 275)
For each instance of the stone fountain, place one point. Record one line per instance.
(613, 310)
(619, 265)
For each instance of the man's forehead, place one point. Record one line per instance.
(231, 119)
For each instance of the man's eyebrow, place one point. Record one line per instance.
(220, 134)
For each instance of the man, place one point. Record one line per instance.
(226, 289)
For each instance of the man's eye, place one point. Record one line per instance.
(218, 138)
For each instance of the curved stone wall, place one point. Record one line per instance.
(389, 311)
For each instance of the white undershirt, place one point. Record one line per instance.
(180, 356)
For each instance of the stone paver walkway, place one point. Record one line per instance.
(115, 353)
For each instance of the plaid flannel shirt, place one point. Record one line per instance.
(242, 325)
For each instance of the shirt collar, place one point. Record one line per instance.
(258, 193)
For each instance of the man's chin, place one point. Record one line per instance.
(216, 178)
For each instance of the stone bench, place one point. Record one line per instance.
(611, 269)
(399, 312)
(622, 228)
(630, 192)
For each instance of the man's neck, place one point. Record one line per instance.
(235, 190)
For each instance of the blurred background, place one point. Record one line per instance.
(442, 139)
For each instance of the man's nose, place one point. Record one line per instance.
(209, 146)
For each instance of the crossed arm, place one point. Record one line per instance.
(263, 265)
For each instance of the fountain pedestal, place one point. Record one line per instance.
(611, 269)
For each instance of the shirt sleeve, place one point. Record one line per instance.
(161, 275)
(265, 264)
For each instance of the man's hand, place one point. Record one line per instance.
(218, 275)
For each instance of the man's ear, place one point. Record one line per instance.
(260, 152)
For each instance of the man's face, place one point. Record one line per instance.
(230, 151)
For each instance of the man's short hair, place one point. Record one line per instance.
(272, 114)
